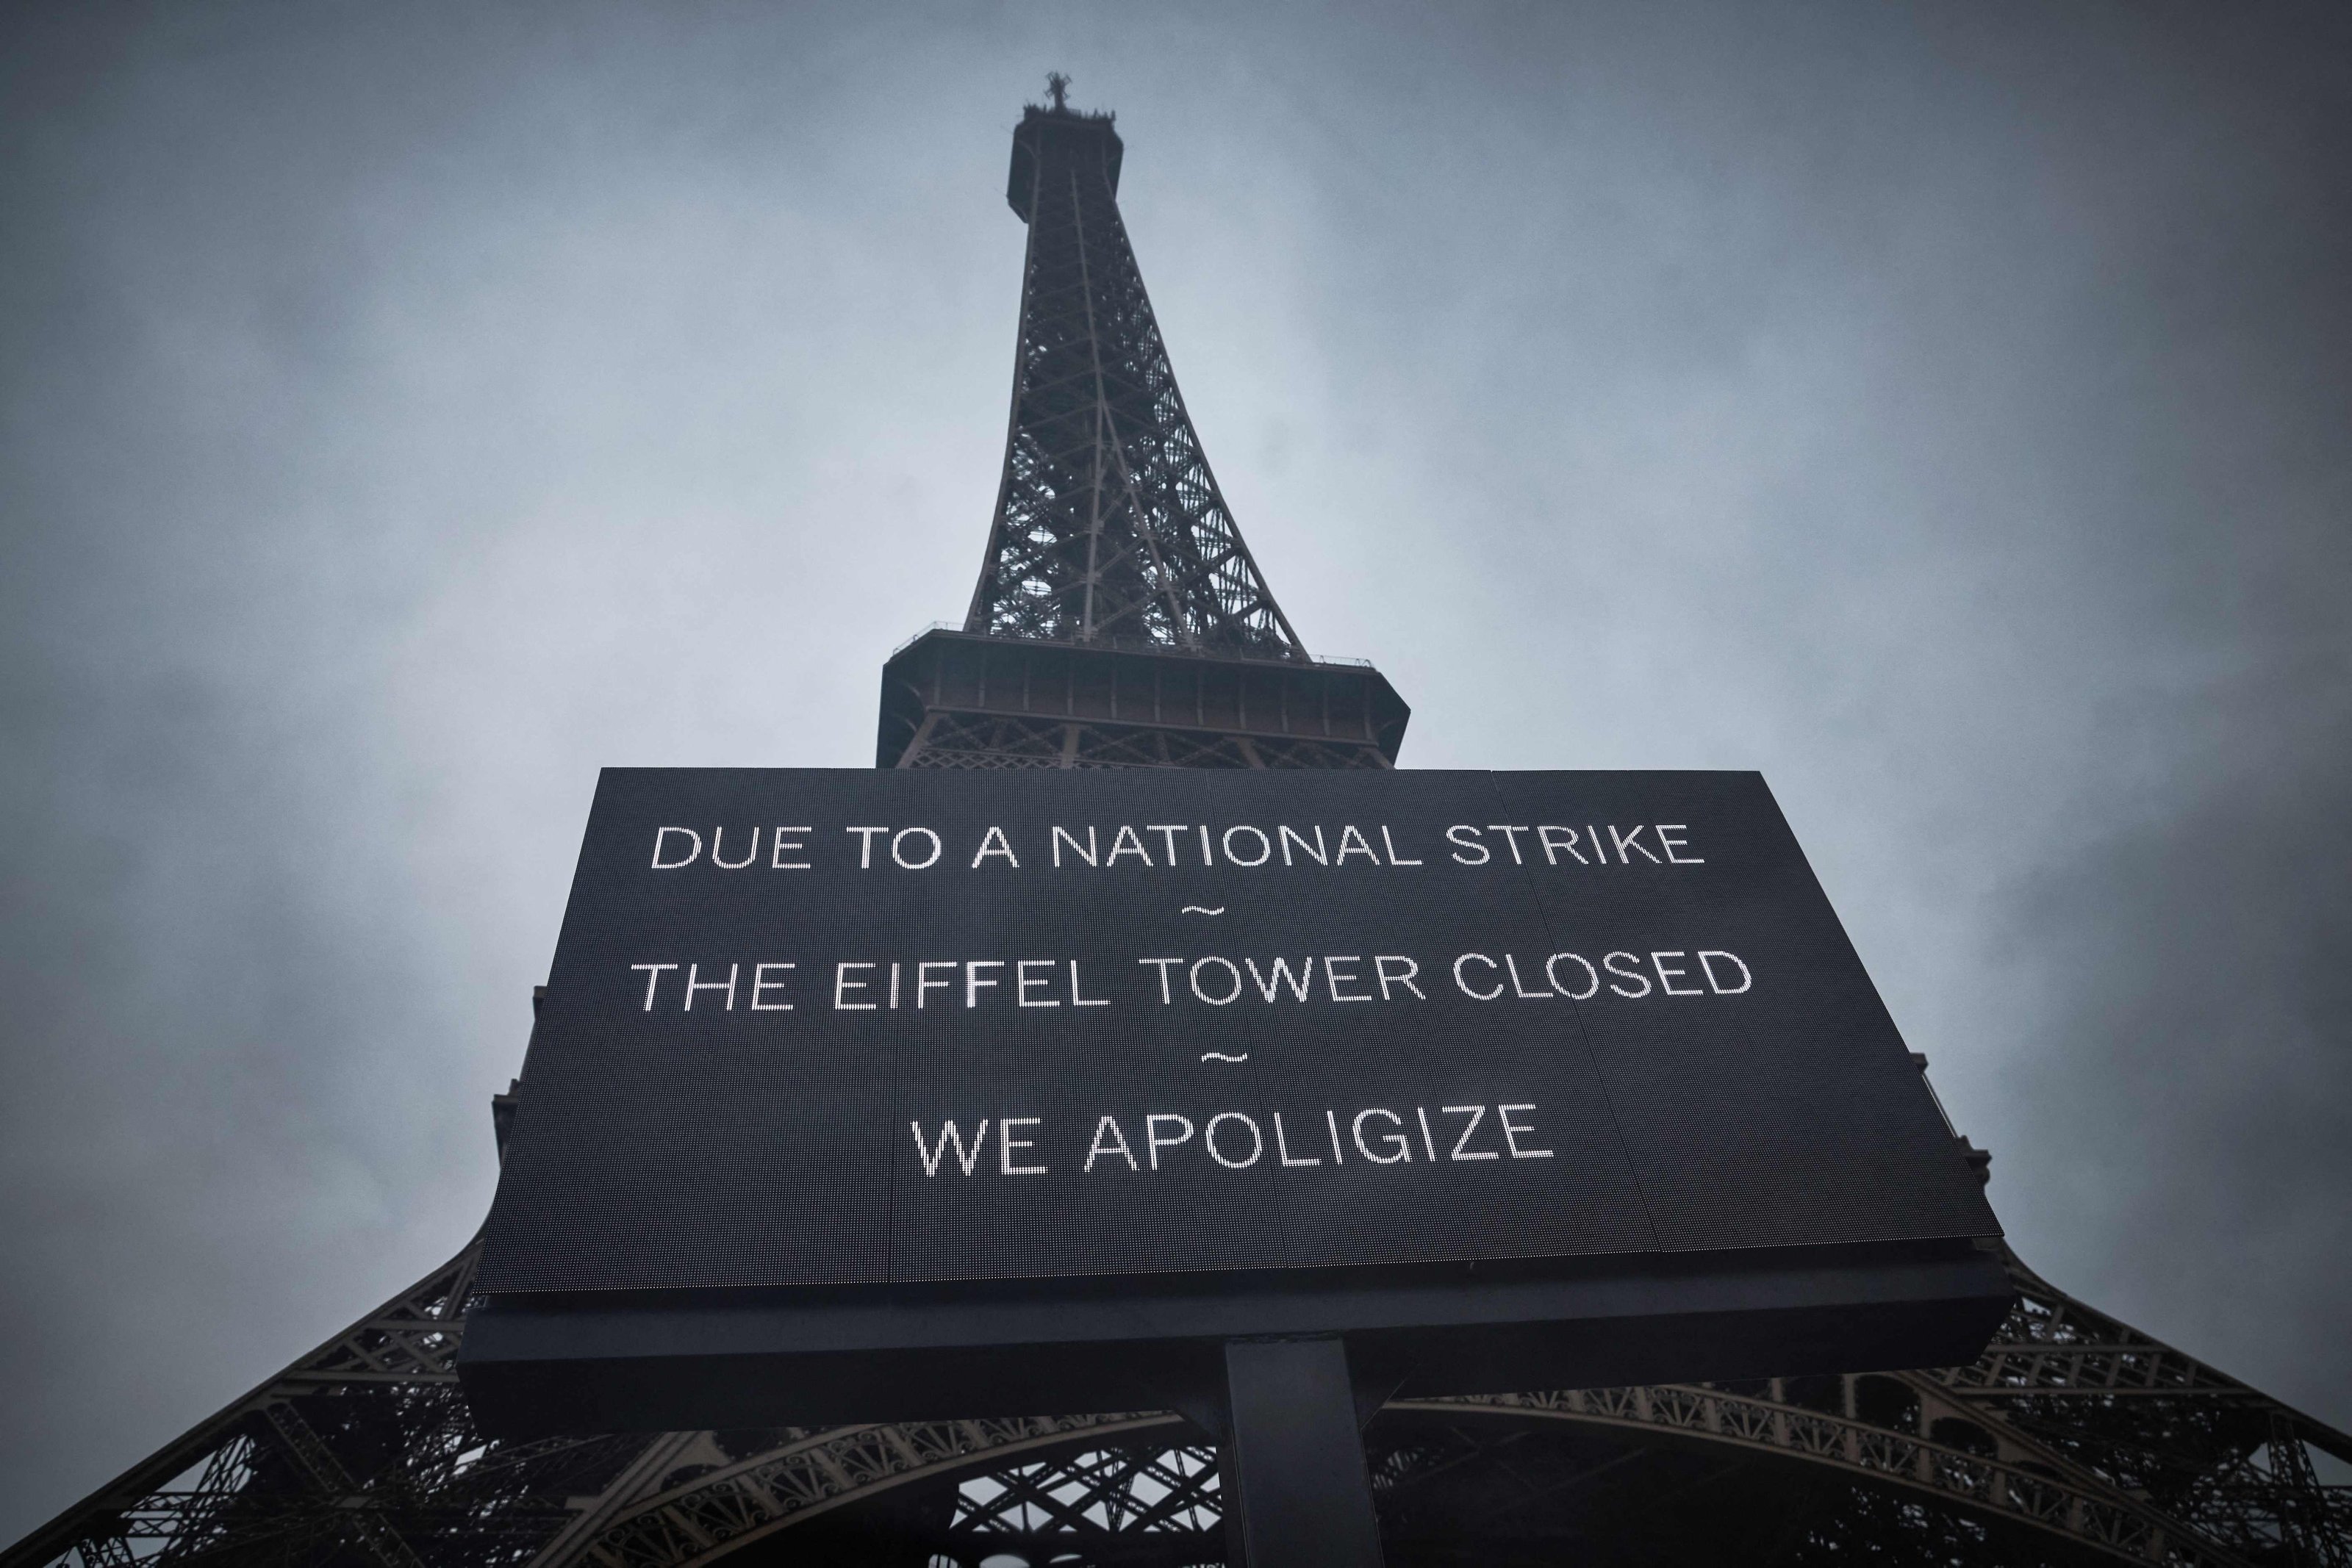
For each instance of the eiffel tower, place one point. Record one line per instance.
(1119, 620)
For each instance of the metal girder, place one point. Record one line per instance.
(376, 1536)
(956, 699)
(2155, 1424)
(1110, 1491)
(2055, 1346)
(990, 742)
(361, 1452)
(815, 1473)
(2029, 1492)
(2071, 1427)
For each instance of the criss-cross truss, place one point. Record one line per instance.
(1109, 527)
(2074, 1439)
(1119, 620)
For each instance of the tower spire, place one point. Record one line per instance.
(1118, 620)
(1110, 525)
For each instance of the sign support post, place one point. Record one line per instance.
(1295, 1477)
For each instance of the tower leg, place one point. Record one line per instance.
(1294, 1477)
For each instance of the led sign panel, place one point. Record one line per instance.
(815, 1032)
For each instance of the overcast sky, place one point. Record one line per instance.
(409, 410)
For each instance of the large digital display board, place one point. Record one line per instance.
(810, 1032)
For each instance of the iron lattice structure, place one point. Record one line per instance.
(1119, 620)
(1120, 623)
(1110, 525)
(2074, 1439)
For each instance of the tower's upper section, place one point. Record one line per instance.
(1109, 527)
(1061, 135)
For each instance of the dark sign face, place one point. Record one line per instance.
(817, 1027)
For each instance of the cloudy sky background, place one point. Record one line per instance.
(409, 409)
